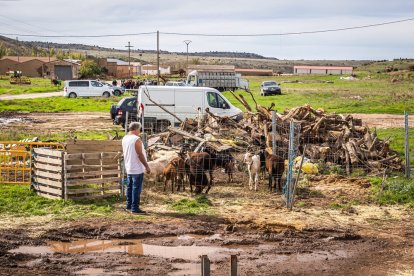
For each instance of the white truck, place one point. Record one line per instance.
(181, 102)
(220, 80)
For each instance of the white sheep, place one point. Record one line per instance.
(253, 167)
(157, 167)
(165, 154)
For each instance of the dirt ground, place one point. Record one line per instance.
(334, 228)
(100, 121)
(313, 239)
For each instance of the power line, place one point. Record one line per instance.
(84, 36)
(217, 35)
(293, 33)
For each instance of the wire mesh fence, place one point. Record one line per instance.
(205, 150)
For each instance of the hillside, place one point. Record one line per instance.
(178, 60)
(14, 47)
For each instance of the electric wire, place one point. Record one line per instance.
(215, 35)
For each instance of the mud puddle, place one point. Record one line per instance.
(5, 121)
(132, 247)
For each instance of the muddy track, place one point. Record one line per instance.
(100, 121)
(329, 252)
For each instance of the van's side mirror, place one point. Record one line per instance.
(225, 106)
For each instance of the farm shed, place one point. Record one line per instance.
(119, 68)
(39, 67)
(322, 70)
(211, 68)
(255, 72)
(149, 69)
(61, 69)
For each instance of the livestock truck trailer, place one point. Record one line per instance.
(222, 81)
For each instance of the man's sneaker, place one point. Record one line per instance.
(139, 212)
(127, 210)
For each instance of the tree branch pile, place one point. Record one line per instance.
(331, 138)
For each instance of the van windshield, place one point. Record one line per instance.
(96, 84)
(216, 101)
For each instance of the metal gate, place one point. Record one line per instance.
(63, 72)
(15, 160)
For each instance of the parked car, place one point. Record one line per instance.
(270, 88)
(118, 111)
(175, 83)
(118, 90)
(86, 88)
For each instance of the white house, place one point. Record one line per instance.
(322, 70)
(150, 69)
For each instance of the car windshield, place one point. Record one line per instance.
(269, 83)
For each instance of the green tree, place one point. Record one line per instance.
(89, 69)
(3, 50)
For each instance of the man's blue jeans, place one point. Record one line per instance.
(134, 189)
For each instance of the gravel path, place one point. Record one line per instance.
(31, 96)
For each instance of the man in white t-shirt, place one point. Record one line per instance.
(136, 164)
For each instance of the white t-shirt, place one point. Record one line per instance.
(132, 163)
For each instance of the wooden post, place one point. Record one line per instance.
(407, 146)
(274, 132)
(63, 176)
(126, 122)
(65, 173)
(205, 266)
(102, 183)
(233, 263)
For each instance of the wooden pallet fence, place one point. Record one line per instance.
(47, 172)
(89, 146)
(92, 175)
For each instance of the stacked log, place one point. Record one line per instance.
(330, 138)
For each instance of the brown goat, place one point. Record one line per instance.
(174, 172)
(275, 166)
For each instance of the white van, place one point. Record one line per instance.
(183, 102)
(86, 88)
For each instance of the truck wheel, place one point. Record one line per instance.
(106, 94)
(117, 93)
(72, 95)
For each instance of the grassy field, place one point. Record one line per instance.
(59, 104)
(11, 135)
(38, 85)
(373, 94)
(20, 201)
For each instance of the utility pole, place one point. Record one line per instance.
(18, 53)
(129, 58)
(187, 42)
(48, 50)
(158, 57)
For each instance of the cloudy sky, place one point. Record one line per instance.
(102, 17)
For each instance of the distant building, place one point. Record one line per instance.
(151, 70)
(40, 67)
(211, 68)
(120, 69)
(255, 72)
(322, 70)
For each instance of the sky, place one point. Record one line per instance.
(102, 17)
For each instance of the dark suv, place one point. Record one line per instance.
(118, 111)
(270, 88)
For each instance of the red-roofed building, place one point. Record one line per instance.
(255, 72)
(322, 70)
(39, 67)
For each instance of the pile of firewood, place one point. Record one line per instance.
(330, 138)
